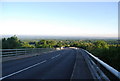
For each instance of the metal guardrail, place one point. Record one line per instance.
(105, 71)
(15, 52)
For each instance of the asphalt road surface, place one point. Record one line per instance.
(53, 65)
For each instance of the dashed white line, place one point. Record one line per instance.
(27, 68)
(52, 57)
(55, 56)
(22, 70)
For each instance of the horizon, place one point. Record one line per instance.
(71, 19)
(57, 37)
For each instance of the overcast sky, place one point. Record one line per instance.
(59, 18)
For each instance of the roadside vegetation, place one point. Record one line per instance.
(106, 50)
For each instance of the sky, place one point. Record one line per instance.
(94, 19)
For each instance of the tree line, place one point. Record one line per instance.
(13, 43)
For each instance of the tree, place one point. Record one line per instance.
(27, 45)
(4, 43)
(42, 44)
(11, 43)
(101, 44)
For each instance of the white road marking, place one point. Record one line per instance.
(27, 68)
(58, 55)
(22, 70)
(52, 57)
(55, 56)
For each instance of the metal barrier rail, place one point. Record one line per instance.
(15, 52)
(109, 71)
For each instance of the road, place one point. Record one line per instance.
(52, 65)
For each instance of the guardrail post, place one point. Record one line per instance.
(38, 50)
(25, 51)
(16, 52)
(32, 50)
